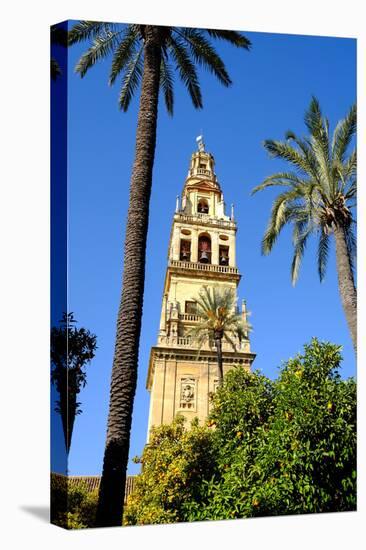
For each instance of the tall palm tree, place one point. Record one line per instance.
(219, 321)
(319, 199)
(141, 56)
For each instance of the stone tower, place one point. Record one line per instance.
(202, 251)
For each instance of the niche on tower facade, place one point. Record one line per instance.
(185, 250)
(203, 206)
(204, 248)
(223, 255)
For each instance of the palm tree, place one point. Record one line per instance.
(319, 199)
(141, 56)
(219, 321)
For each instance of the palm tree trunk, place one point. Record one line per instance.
(220, 372)
(346, 283)
(124, 372)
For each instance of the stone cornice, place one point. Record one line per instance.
(182, 354)
(205, 220)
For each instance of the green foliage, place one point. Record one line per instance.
(270, 447)
(321, 192)
(219, 321)
(72, 349)
(174, 464)
(217, 309)
(183, 46)
(72, 507)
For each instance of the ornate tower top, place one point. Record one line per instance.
(202, 194)
(202, 168)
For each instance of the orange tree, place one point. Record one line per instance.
(269, 448)
(174, 464)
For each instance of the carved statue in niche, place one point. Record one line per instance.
(187, 393)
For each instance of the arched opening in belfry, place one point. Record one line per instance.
(203, 206)
(185, 250)
(223, 255)
(204, 248)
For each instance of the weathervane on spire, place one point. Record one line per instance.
(200, 143)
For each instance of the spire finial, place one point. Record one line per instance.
(200, 143)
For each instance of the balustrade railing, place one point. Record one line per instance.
(203, 172)
(192, 343)
(199, 217)
(203, 267)
(189, 317)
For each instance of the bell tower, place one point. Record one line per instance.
(202, 252)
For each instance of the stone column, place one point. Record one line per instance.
(232, 251)
(176, 243)
(214, 248)
(194, 245)
(162, 328)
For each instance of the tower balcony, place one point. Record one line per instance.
(188, 342)
(202, 219)
(205, 268)
(190, 317)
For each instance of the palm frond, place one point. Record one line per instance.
(216, 309)
(301, 234)
(131, 80)
(284, 179)
(233, 37)
(305, 147)
(103, 45)
(123, 53)
(283, 209)
(88, 30)
(167, 85)
(205, 299)
(284, 151)
(229, 339)
(319, 139)
(350, 165)
(323, 249)
(204, 54)
(187, 71)
(351, 190)
(343, 134)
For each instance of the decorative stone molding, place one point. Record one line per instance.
(188, 394)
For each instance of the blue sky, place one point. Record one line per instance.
(272, 87)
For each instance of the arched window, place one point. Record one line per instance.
(202, 206)
(204, 249)
(185, 250)
(223, 255)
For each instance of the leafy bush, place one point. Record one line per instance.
(72, 507)
(174, 464)
(269, 448)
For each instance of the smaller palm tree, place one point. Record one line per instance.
(219, 321)
(319, 199)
